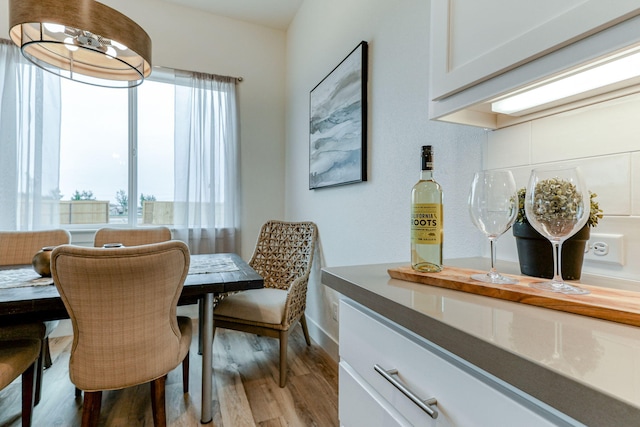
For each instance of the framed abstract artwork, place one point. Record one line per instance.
(338, 124)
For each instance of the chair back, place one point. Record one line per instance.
(19, 247)
(284, 252)
(122, 304)
(131, 236)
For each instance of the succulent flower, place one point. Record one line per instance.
(557, 199)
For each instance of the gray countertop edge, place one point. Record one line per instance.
(577, 400)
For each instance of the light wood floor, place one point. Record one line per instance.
(245, 389)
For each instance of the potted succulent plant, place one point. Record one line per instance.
(535, 252)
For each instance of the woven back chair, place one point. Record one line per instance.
(131, 236)
(283, 256)
(122, 303)
(18, 248)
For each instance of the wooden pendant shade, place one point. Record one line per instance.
(81, 40)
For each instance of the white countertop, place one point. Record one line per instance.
(602, 355)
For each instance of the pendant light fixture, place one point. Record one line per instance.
(81, 40)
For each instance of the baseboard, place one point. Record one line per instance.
(324, 340)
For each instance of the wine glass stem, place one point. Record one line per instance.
(557, 263)
(492, 243)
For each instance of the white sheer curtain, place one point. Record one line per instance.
(206, 209)
(29, 143)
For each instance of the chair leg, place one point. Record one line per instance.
(78, 392)
(284, 340)
(91, 408)
(157, 402)
(38, 374)
(28, 393)
(305, 330)
(47, 353)
(185, 374)
(44, 363)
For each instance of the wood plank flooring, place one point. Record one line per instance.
(245, 389)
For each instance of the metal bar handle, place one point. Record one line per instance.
(425, 405)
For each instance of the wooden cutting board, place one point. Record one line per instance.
(602, 303)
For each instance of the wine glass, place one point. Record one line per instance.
(557, 205)
(493, 205)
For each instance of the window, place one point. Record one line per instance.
(103, 160)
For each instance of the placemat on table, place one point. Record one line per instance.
(22, 277)
(205, 265)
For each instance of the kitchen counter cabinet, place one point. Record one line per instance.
(571, 369)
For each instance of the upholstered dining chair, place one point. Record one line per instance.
(131, 236)
(282, 256)
(20, 357)
(18, 248)
(122, 303)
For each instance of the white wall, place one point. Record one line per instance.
(604, 140)
(369, 222)
(193, 40)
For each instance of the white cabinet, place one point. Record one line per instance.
(474, 41)
(465, 395)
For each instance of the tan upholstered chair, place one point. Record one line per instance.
(283, 257)
(122, 303)
(131, 236)
(20, 357)
(18, 248)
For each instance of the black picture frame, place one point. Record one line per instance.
(338, 124)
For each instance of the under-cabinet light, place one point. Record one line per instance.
(605, 72)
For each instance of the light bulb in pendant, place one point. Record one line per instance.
(119, 45)
(68, 43)
(54, 28)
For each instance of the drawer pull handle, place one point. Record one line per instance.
(425, 405)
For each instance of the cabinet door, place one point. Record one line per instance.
(474, 40)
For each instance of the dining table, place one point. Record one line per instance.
(27, 297)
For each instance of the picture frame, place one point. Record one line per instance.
(338, 124)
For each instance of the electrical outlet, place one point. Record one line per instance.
(334, 311)
(607, 248)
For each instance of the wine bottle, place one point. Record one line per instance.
(426, 218)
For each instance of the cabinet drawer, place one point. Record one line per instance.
(466, 396)
(360, 405)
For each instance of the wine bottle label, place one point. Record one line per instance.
(426, 223)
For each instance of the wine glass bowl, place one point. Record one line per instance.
(557, 205)
(493, 205)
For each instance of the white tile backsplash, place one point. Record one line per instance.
(610, 178)
(604, 140)
(635, 183)
(600, 129)
(509, 147)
